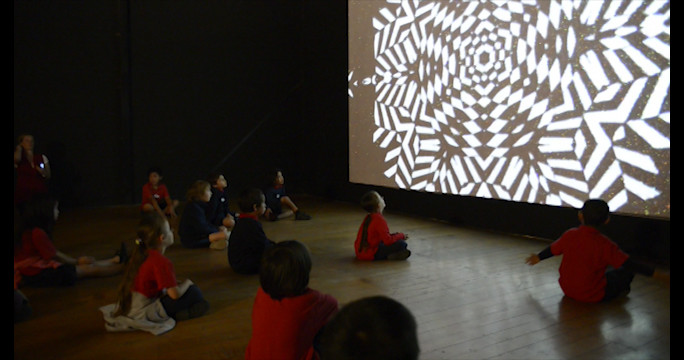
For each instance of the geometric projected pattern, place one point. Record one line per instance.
(548, 102)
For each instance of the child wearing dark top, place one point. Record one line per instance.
(276, 197)
(218, 210)
(287, 315)
(593, 268)
(376, 327)
(373, 240)
(195, 229)
(248, 241)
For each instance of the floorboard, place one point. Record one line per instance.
(470, 291)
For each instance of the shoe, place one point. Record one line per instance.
(218, 245)
(195, 310)
(299, 215)
(399, 255)
(122, 253)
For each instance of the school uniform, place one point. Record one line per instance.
(34, 263)
(218, 208)
(194, 227)
(246, 244)
(286, 328)
(147, 312)
(586, 255)
(160, 194)
(380, 241)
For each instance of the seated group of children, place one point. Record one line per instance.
(291, 320)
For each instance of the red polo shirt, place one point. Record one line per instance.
(586, 255)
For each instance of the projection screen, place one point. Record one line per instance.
(547, 102)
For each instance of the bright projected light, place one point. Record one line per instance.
(547, 102)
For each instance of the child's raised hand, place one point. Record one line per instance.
(532, 260)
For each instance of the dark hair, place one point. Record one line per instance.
(376, 327)
(213, 178)
(39, 212)
(249, 198)
(149, 232)
(370, 201)
(272, 175)
(595, 212)
(155, 169)
(285, 269)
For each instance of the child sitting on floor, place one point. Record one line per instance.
(248, 241)
(587, 254)
(287, 315)
(37, 262)
(276, 197)
(373, 240)
(195, 229)
(218, 210)
(149, 297)
(155, 195)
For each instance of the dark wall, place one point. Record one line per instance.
(110, 88)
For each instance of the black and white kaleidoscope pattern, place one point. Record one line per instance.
(549, 102)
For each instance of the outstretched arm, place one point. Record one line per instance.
(534, 259)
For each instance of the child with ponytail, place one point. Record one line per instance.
(149, 298)
(374, 240)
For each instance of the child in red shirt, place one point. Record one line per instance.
(156, 197)
(373, 240)
(149, 298)
(587, 254)
(287, 315)
(37, 262)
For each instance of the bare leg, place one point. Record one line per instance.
(100, 268)
(285, 200)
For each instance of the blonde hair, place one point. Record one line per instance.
(369, 202)
(197, 189)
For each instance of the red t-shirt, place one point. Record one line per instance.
(285, 329)
(378, 232)
(160, 193)
(154, 275)
(35, 254)
(586, 255)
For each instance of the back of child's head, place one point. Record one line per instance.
(196, 190)
(376, 327)
(148, 236)
(149, 229)
(249, 198)
(285, 269)
(370, 201)
(595, 212)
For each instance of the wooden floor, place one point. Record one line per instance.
(470, 291)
